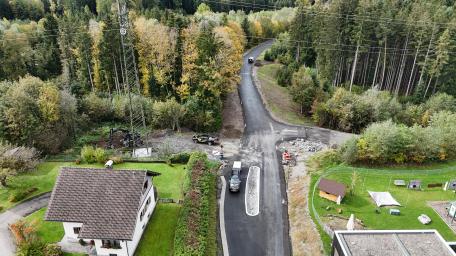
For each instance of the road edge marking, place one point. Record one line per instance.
(258, 181)
(222, 218)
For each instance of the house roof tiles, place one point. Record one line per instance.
(105, 201)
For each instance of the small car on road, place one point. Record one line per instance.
(205, 139)
(251, 60)
(235, 179)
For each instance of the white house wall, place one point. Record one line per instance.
(141, 225)
(69, 232)
(106, 252)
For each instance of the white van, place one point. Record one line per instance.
(235, 179)
(237, 165)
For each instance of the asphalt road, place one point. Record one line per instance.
(266, 233)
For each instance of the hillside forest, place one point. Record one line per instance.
(384, 69)
(62, 71)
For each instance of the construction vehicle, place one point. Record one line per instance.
(288, 159)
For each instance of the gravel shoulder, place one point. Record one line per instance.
(305, 239)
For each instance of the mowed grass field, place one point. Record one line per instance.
(158, 239)
(413, 202)
(278, 99)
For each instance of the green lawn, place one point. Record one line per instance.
(158, 238)
(413, 202)
(169, 183)
(43, 179)
(278, 99)
(50, 232)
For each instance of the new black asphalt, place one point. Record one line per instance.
(266, 233)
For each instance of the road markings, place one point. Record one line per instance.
(252, 191)
(222, 218)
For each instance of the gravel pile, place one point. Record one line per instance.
(300, 146)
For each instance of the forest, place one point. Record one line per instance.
(62, 71)
(383, 69)
(405, 47)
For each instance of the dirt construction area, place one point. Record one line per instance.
(305, 239)
(167, 142)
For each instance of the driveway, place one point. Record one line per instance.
(267, 232)
(14, 214)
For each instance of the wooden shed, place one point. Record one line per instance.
(331, 190)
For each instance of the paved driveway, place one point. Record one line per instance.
(7, 246)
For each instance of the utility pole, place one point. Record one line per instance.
(130, 75)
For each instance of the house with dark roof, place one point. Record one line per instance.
(106, 208)
(331, 190)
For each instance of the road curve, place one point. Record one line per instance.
(267, 232)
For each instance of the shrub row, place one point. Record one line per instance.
(92, 155)
(352, 112)
(388, 142)
(193, 234)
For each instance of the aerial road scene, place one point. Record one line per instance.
(218, 128)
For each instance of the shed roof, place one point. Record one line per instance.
(332, 187)
(106, 201)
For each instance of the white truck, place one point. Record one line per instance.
(235, 179)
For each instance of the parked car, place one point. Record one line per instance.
(251, 60)
(206, 139)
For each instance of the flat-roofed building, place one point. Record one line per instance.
(389, 242)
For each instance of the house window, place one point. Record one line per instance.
(111, 254)
(110, 244)
(77, 230)
(148, 201)
(146, 184)
(141, 216)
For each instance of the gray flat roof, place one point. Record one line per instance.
(393, 242)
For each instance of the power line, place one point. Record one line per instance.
(338, 15)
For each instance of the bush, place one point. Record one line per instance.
(21, 194)
(323, 159)
(180, 158)
(34, 247)
(116, 159)
(21, 159)
(388, 142)
(195, 227)
(100, 155)
(53, 250)
(88, 154)
(194, 158)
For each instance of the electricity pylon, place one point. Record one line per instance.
(130, 76)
